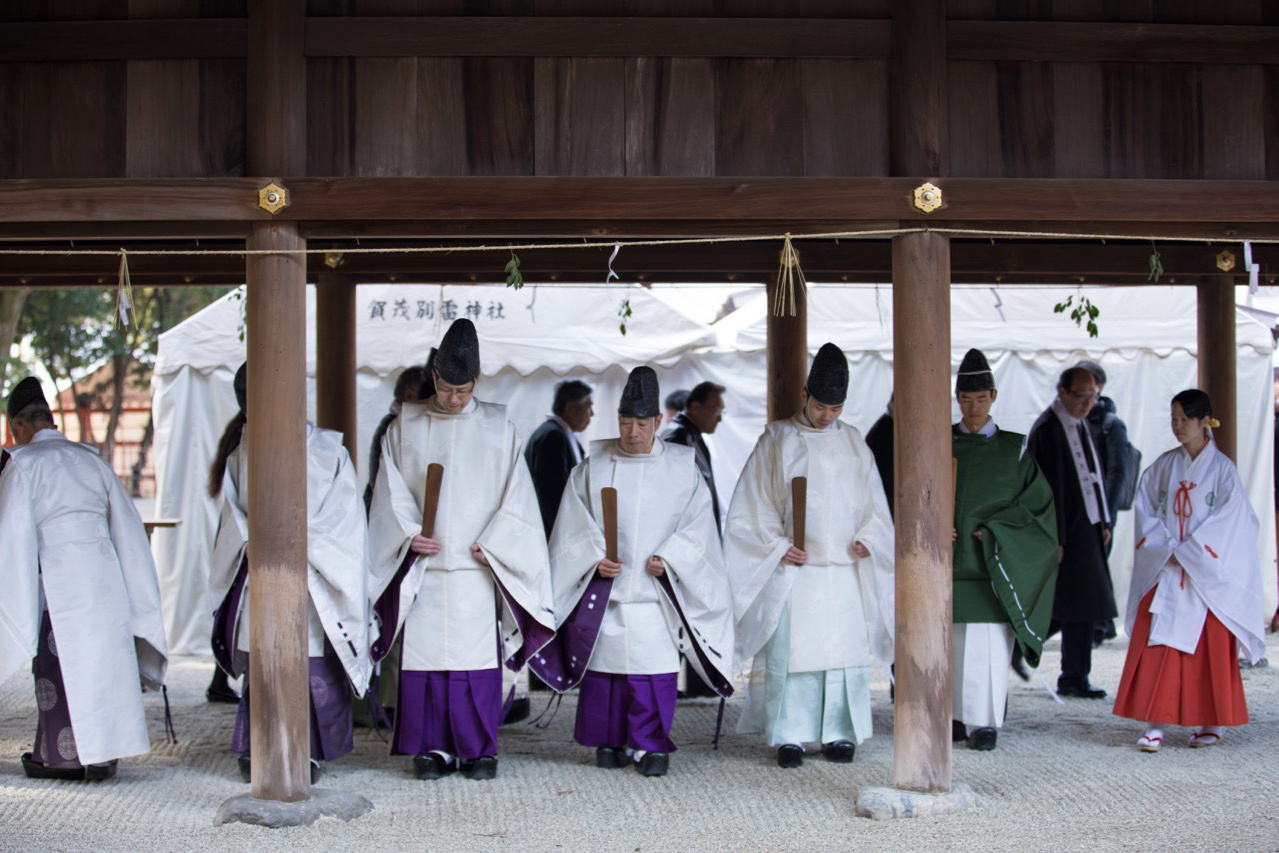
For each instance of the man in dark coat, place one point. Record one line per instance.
(553, 449)
(880, 442)
(703, 410)
(1062, 445)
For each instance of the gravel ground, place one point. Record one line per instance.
(1064, 777)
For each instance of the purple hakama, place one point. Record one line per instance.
(55, 742)
(331, 722)
(453, 711)
(636, 711)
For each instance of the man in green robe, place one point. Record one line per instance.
(1005, 560)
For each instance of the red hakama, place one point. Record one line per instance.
(1164, 686)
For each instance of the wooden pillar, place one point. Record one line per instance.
(275, 435)
(925, 509)
(275, 147)
(787, 354)
(1217, 353)
(335, 364)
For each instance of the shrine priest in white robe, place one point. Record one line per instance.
(338, 613)
(474, 595)
(626, 621)
(81, 602)
(808, 620)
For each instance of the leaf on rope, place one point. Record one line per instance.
(514, 277)
(625, 313)
(1156, 266)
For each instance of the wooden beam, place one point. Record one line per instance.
(786, 353)
(603, 36)
(275, 436)
(1026, 203)
(925, 512)
(185, 38)
(335, 405)
(1063, 41)
(275, 141)
(1217, 354)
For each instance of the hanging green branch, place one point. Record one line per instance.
(514, 278)
(625, 313)
(1156, 264)
(1084, 313)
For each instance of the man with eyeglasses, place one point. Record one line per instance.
(1062, 444)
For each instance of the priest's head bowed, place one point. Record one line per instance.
(456, 366)
(827, 386)
(639, 411)
(28, 410)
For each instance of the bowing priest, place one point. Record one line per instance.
(629, 611)
(459, 569)
(81, 601)
(337, 588)
(809, 615)
(1062, 444)
(1005, 557)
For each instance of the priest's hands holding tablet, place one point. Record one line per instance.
(609, 568)
(425, 546)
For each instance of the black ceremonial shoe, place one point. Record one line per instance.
(246, 768)
(609, 758)
(983, 739)
(839, 752)
(958, 731)
(519, 711)
(653, 764)
(39, 770)
(316, 771)
(481, 769)
(1079, 689)
(790, 755)
(432, 765)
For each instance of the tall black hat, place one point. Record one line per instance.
(640, 397)
(974, 373)
(241, 385)
(828, 377)
(457, 360)
(25, 393)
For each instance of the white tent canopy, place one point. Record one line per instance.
(533, 337)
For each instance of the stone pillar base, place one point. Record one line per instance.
(273, 813)
(879, 802)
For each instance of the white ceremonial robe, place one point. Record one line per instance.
(1197, 511)
(832, 613)
(70, 535)
(336, 578)
(450, 611)
(663, 509)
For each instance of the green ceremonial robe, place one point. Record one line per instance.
(1011, 573)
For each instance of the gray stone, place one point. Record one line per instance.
(273, 813)
(879, 802)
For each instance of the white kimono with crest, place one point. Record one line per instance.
(1197, 511)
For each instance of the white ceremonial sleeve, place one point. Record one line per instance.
(336, 577)
(757, 534)
(394, 519)
(19, 568)
(577, 543)
(695, 563)
(232, 538)
(514, 541)
(1155, 540)
(876, 573)
(137, 568)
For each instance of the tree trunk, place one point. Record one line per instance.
(144, 450)
(11, 301)
(119, 371)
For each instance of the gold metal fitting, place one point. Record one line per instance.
(1225, 260)
(273, 198)
(927, 197)
(333, 260)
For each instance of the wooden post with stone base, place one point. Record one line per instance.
(925, 509)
